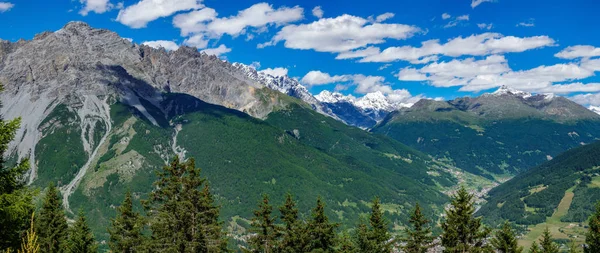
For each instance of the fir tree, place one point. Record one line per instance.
(505, 241)
(418, 238)
(126, 229)
(375, 237)
(573, 248)
(16, 204)
(263, 224)
(346, 245)
(292, 231)
(534, 248)
(52, 225)
(81, 239)
(592, 237)
(546, 243)
(320, 232)
(182, 214)
(461, 231)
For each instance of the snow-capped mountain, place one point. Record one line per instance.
(595, 109)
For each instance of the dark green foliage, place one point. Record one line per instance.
(320, 231)
(418, 238)
(375, 237)
(292, 238)
(51, 224)
(556, 176)
(547, 245)
(81, 239)
(573, 248)
(461, 231)
(126, 229)
(346, 245)
(183, 216)
(505, 240)
(15, 198)
(592, 238)
(266, 234)
(535, 248)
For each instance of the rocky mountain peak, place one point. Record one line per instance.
(507, 90)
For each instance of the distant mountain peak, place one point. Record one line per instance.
(334, 97)
(595, 109)
(507, 90)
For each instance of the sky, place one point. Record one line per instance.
(405, 49)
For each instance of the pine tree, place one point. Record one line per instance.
(263, 224)
(592, 238)
(418, 238)
(461, 231)
(52, 224)
(505, 241)
(30, 242)
(292, 231)
(126, 229)
(534, 248)
(573, 247)
(320, 232)
(375, 237)
(182, 214)
(346, 245)
(16, 204)
(81, 239)
(546, 243)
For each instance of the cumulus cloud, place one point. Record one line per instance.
(384, 17)
(493, 71)
(166, 44)
(198, 41)
(446, 16)
(340, 34)
(457, 20)
(275, 71)
(97, 6)
(485, 26)
(317, 12)
(587, 99)
(257, 16)
(218, 51)
(475, 3)
(145, 11)
(363, 84)
(579, 51)
(474, 45)
(6, 6)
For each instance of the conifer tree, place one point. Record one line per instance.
(419, 237)
(461, 231)
(573, 247)
(30, 242)
(363, 244)
(126, 229)
(505, 241)
(375, 237)
(546, 243)
(592, 237)
(534, 248)
(292, 231)
(16, 204)
(81, 239)
(320, 232)
(52, 225)
(182, 214)
(346, 245)
(263, 225)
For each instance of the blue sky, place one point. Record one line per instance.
(356, 47)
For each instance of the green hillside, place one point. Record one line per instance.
(294, 150)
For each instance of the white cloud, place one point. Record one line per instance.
(384, 17)
(384, 66)
(222, 49)
(316, 77)
(456, 21)
(358, 53)
(97, 6)
(446, 16)
(255, 65)
(364, 84)
(166, 44)
(571, 87)
(257, 16)
(317, 12)
(579, 51)
(197, 41)
(475, 3)
(275, 71)
(528, 23)
(587, 99)
(411, 74)
(485, 26)
(141, 13)
(476, 45)
(340, 34)
(6, 6)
